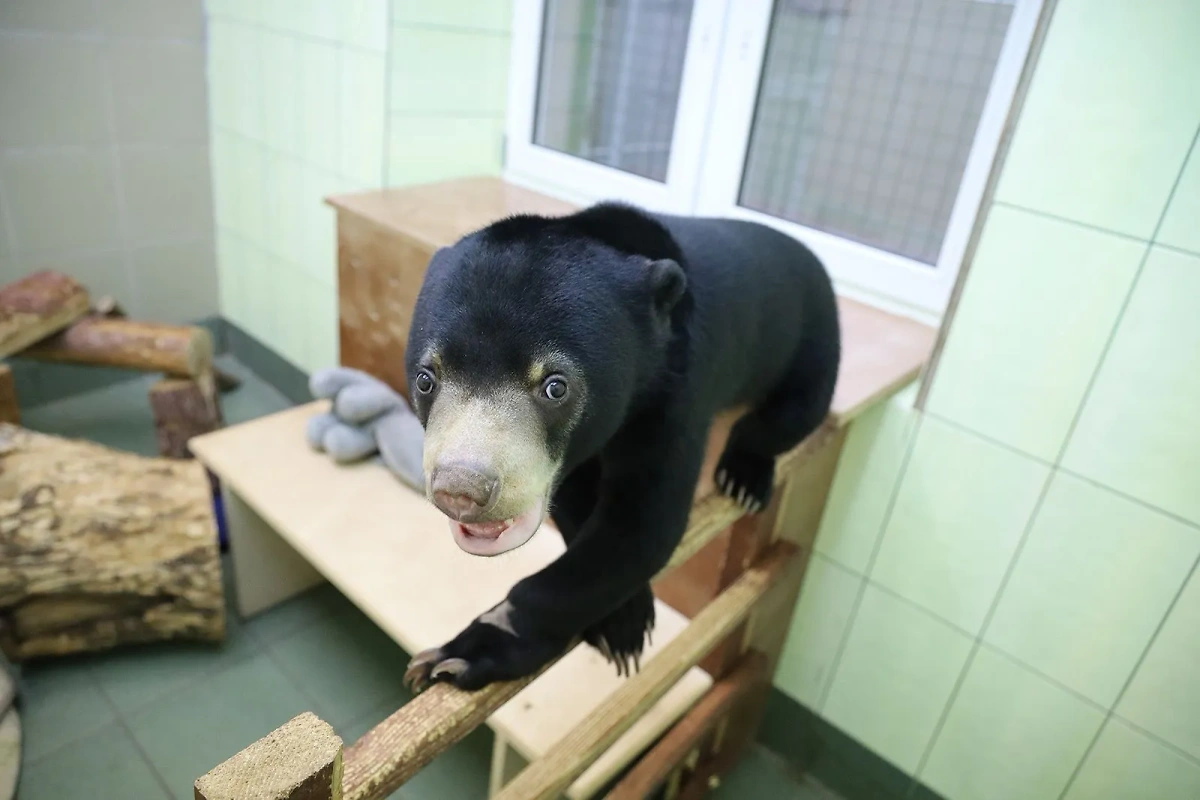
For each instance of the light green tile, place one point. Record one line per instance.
(1164, 696)
(290, 332)
(190, 732)
(1127, 765)
(283, 223)
(361, 119)
(106, 764)
(449, 71)
(346, 664)
(320, 225)
(220, 68)
(60, 704)
(1015, 344)
(491, 15)
(425, 148)
(223, 162)
(262, 293)
(817, 629)
(365, 24)
(319, 103)
(1181, 226)
(246, 174)
(865, 483)
(1110, 155)
(323, 327)
(245, 75)
(895, 676)
(283, 92)
(1009, 734)
(231, 275)
(1138, 431)
(1091, 585)
(962, 507)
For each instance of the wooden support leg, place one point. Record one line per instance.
(10, 410)
(266, 570)
(506, 764)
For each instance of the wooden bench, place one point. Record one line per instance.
(295, 518)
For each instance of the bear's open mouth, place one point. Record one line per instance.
(493, 538)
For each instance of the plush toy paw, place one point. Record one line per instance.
(746, 478)
(367, 417)
(621, 636)
(480, 655)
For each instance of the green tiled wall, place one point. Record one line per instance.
(1004, 600)
(328, 96)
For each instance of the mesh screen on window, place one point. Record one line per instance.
(866, 114)
(608, 81)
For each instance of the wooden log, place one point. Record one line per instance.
(179, 350)
(10, 409)
(100, 548)
(182, 409)
(37, 306)
(550, 775)
(657, 766)
(301, 760)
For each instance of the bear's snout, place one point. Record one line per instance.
(464, 492)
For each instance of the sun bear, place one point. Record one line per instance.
(570, 367)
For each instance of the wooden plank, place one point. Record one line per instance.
(37, 306)
(10, 409)
(300, 760)
(545, 778)
(657, 765)
(182, 350)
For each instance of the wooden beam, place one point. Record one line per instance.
(301, 760)
(10, 409)
(656, 766)
(37, 306)
(550, 775)
(180, 350)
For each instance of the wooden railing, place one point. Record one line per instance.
(305, 759)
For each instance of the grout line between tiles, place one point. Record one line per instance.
(1074, 222)
(1110, 713)
(119, 717)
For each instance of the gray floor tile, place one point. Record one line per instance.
(60, 703)
(105, 765)
(321, 602)
(189, 733)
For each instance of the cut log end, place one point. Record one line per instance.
(301, 760)
(37, 306)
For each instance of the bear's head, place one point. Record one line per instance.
(532, 341)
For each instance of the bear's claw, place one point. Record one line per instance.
(746, 478)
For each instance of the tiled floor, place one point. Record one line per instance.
(145, 722)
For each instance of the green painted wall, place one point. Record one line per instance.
(1004, 600)
(323, 97)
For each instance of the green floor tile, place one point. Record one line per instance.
(135, 676)
(762, 775)
(283, 620)
(189, 733)
(460, 772)
(105, 765)
(60, 703)
(345, 663)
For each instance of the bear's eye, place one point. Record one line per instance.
(555, 388)
(425, 382)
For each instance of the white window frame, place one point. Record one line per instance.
(725, 52)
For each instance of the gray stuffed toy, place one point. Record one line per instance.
(367, 417)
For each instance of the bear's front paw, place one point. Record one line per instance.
(746, 478)
(621, 636)
(481, 654)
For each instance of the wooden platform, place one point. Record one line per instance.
(296, 518)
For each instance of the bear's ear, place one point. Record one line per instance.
(667, 284)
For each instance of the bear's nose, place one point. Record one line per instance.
(463, 491)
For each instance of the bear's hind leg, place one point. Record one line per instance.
(796, 408)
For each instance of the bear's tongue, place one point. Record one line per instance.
(486, 530)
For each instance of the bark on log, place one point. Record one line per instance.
(182, 409)
(10, 409)
(100, 548)
(181, 350)
(37, 306)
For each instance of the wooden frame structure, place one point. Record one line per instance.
(736, 577)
